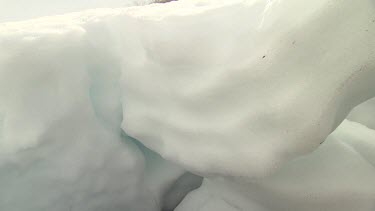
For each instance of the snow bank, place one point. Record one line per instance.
(16, 10)
(338, 176)
(238, 89)
(222, 88)
(61, 145)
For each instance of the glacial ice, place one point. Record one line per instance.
(242, 92)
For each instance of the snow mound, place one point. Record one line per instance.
(61, 144)
(338, 176)
(239, 89)
(222, 88)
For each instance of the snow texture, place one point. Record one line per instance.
(364, 113)
(61, 145)
(16, 10)
(338, 176)
(241, 97)
(241, 92)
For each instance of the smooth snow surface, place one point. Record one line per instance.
(183, 185)
(238, 91)
(16, 10)
(364, 113)
(338, 176)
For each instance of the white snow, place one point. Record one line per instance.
(61, 145)
(364, 113)
(237, 91)
(268, 83)
(16, 10)
(338, 176)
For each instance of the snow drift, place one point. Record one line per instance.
(231, 90)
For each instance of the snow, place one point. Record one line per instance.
(262, 88)
(106, 109)
(183, 185)
(364, 113)
(17, 10)
(61, 145)
(338, 176)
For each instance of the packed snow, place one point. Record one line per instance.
(119, 109)
(338, 176)
(261, 88)
(16, 10)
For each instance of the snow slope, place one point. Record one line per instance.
(233, 90)
(338, 176)
(267, 84)
(16, 10)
